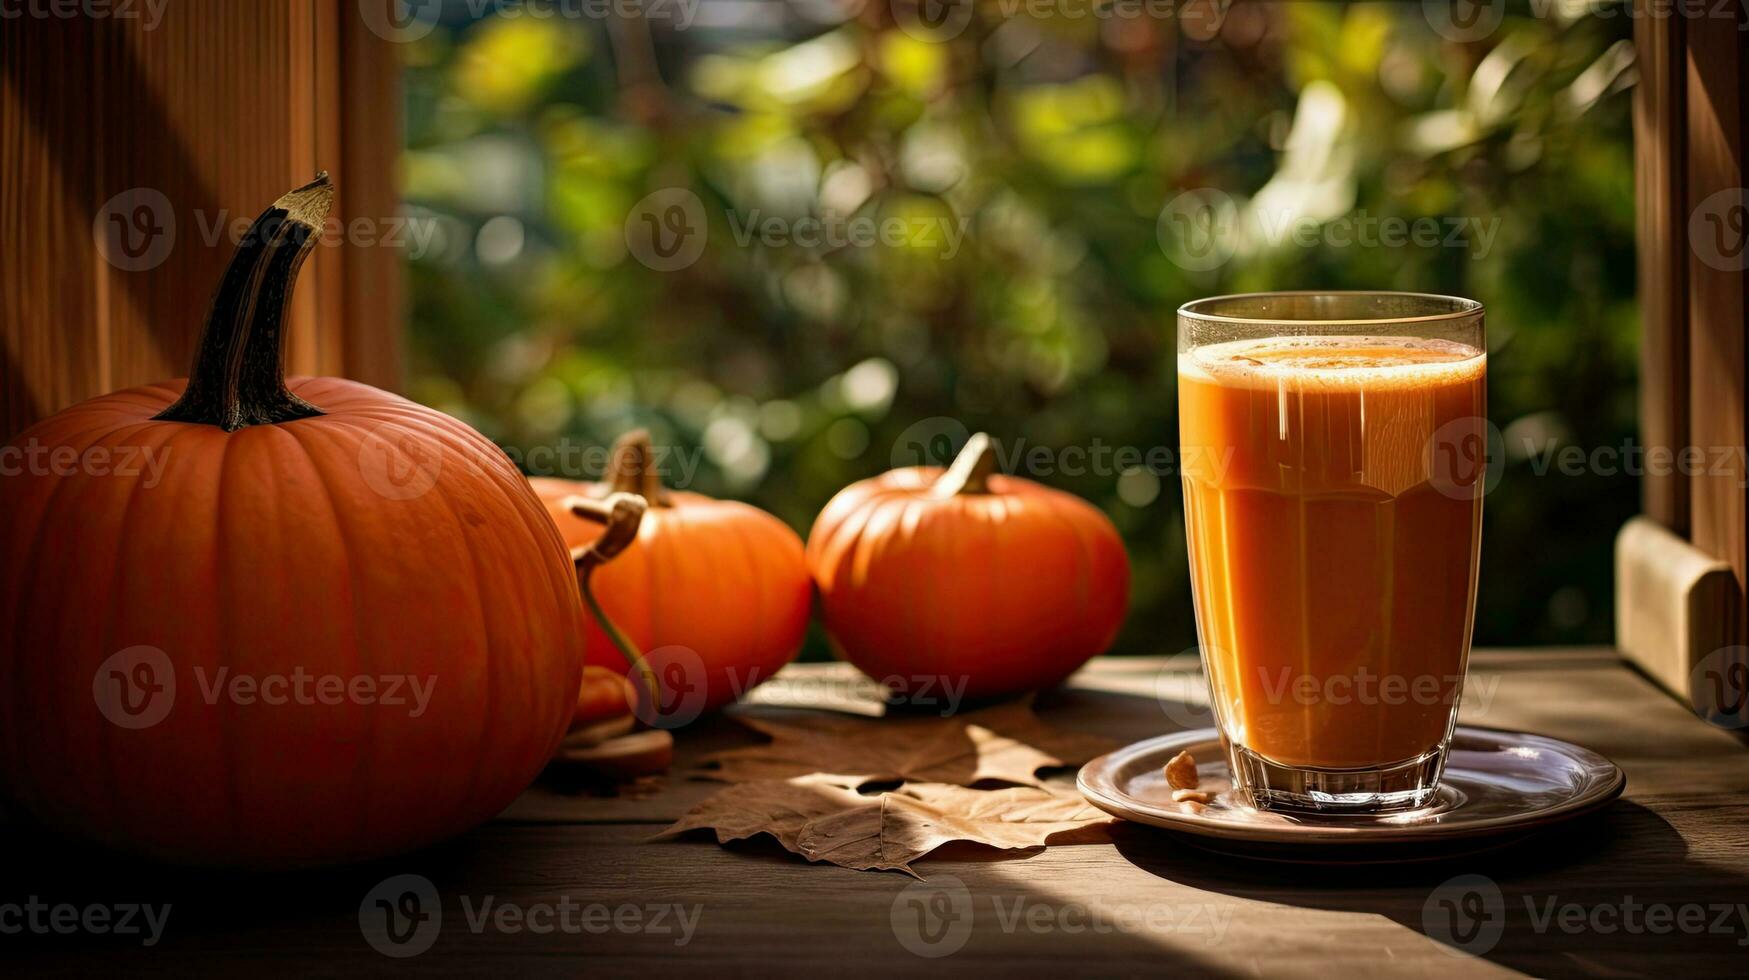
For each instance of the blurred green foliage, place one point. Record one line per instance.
(1055, 142)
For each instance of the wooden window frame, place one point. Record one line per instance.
(1682, 566)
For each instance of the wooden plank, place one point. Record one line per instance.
(1590, 697)
(213, 112)
(1148, 904)
(52, 348)
(370, 118)
(1660, 212)
(1674, 603)
(1718, 288)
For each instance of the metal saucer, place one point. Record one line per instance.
(1498, 787)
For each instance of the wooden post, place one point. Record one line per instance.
(1680, 592)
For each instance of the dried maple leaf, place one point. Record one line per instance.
(822, 820)
(1005, 743)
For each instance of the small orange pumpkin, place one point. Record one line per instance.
(967, 577)
(715, 593)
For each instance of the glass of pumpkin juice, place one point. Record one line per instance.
(1333, 466)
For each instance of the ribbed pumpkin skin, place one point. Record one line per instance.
(1007, 591)
(722, 579)
(264, 550)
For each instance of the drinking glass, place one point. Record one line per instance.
(1334, 466)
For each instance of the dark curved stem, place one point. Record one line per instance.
(238, 376)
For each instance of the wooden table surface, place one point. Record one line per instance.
(1576, 900)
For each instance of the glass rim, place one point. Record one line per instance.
(1459, 308)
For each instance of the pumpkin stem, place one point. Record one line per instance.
(622, 513)
(632, 469)
(971, 469)
(238, 375)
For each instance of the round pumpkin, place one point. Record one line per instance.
(715, 593)
(258, 625)
(967, 582)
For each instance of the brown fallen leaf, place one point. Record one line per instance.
(1005, 743)
(820, 819)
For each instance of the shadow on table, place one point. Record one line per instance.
(1578, 898)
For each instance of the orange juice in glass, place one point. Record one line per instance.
(1333, 506)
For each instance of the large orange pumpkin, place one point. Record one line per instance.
(715, 593)
(255, 625)
(967, 582)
